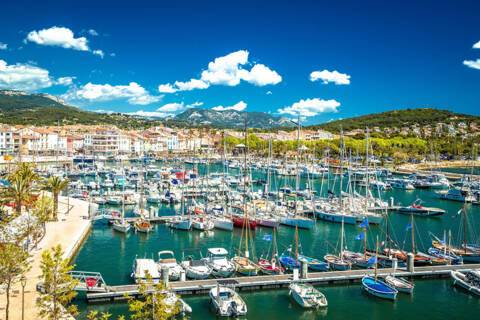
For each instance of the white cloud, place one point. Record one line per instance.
(269, 92)
(135, 93)
(58, 37)
(476, 45)
(239, 106)
(225, 70)
(64, 81)
(261, 75)
(330, 76)
(229, 71)
(191, 85)
(166, 88)
(474, 64)
(63, 37)
(98, 53)
(149, 114)
(92, 32)
(167, 110)
(3, 46)
(23, 77)
(310, 107)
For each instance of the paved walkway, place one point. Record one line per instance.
(69, 232)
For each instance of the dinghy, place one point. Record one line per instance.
(400, 284)
(470, 281)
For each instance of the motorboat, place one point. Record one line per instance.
(307, 296)
(202, 224)
(196, 269)
(166, 259)
(218, 261)
(144, 269)
(418, 210)
(227, 302)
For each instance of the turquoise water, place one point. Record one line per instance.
(112, 254)
(474, 170)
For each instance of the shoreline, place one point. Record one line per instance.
(70, 231)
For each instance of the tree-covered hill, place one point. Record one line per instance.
(398, 118)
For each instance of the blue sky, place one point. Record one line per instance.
(114, 56)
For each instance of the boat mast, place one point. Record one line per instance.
(464, 229)
(297, 177)
(246, 221)
(367, 174)
(376, 260)
(296, 245)
(413, 235)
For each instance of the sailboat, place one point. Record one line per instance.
(451, 257)
(271, 266)
(121, 225)
(224, 221)
(242, 262)
(288, 261)
(468, 252)
(181, 222)
(376, 287)
(142, 224)
(338, 262)
(360, 260)
(296, 220)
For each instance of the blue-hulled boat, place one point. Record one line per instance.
(450, 256)
(313, 264)
(289, 262)
(379, 288)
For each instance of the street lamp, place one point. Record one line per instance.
(23, 282)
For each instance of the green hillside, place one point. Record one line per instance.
(398, 118)
(42, 110)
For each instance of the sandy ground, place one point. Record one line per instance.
(69, 231)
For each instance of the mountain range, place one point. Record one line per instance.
(17, 107)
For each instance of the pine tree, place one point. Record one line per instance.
(58, 286)
(14, 262)
(151, 303)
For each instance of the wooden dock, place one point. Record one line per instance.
(195, 287)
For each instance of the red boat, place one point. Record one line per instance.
(270, 267)
(239, 222)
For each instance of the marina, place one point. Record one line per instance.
(196, 287)
(194, 243)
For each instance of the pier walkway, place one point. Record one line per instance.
(194, 287)
(69, 231)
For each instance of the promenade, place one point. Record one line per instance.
(69, 231)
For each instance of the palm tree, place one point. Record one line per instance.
(21, 186)
(55, 185)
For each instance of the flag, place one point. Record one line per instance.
(372, 260)
(267, 237)
(359, 237)
(364, 223)
(408, 227)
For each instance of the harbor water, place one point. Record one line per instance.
(112, 254)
